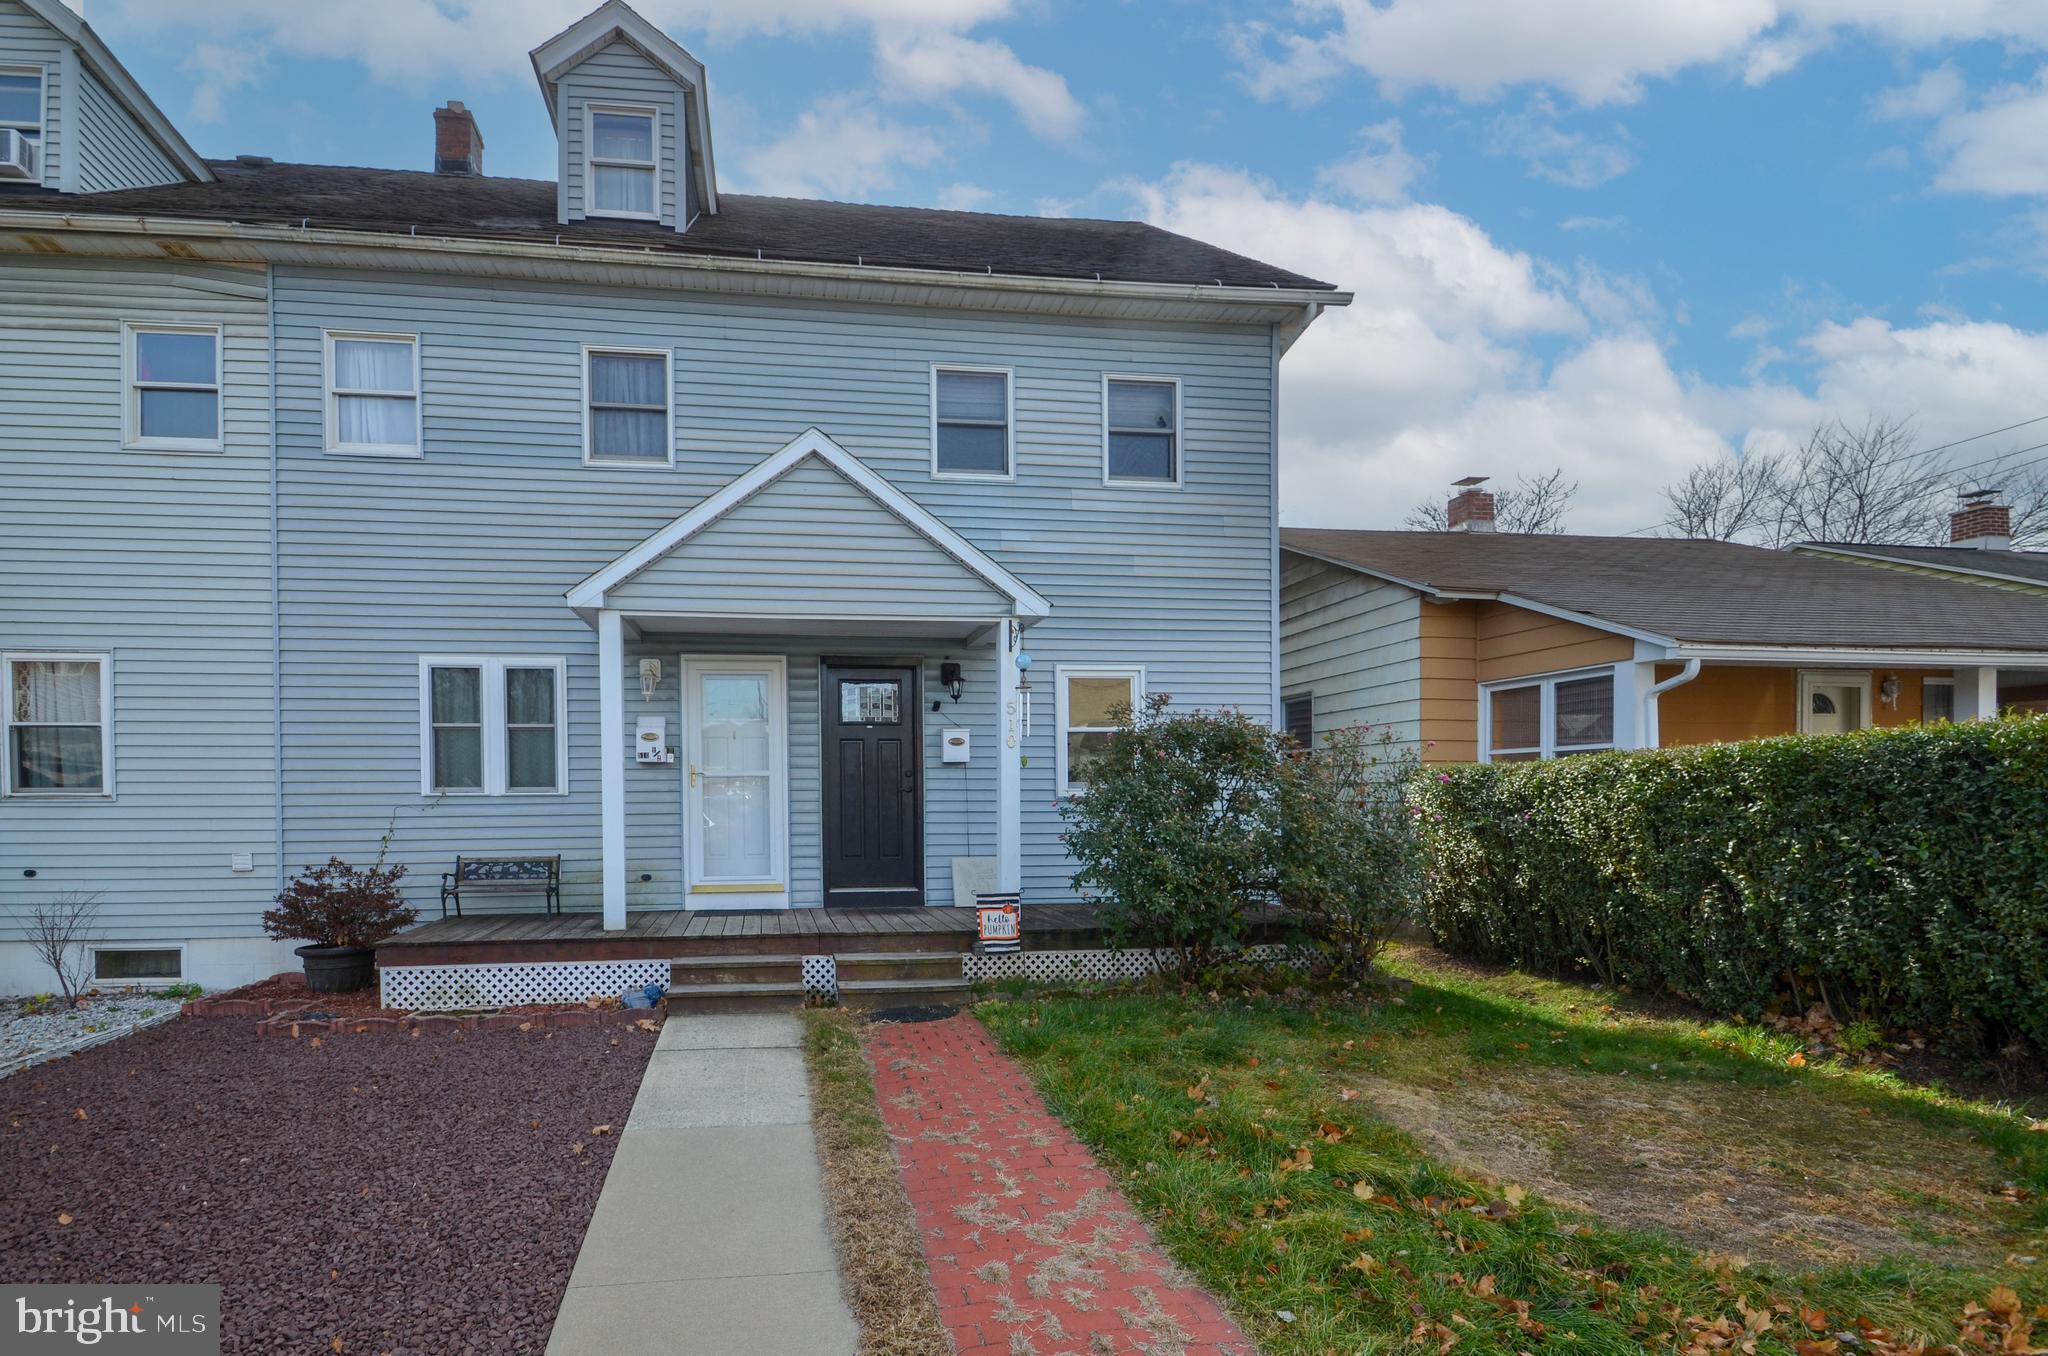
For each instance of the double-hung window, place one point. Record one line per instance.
(373, 394)
(173, 401)
(622, 163)
(1547, 717)
(1093, 701)
(492, 727)
(1141, 430)
(1299, 719)
(21, 104)
(971, 420)
(626, 407)
(56, 721)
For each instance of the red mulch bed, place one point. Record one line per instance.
(415, 1196)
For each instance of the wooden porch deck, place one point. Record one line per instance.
(673, 933)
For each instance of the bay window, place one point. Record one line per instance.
(492, 727)
(1548, 717)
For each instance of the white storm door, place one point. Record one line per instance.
(1832, 703)
(736, 782)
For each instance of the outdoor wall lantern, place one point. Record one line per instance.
(1889, 690)
(949, 679)
(650, 678)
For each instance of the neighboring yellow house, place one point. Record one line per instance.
(1491, 646)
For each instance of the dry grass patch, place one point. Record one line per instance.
(881, 1255)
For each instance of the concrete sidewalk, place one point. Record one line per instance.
(710, 1234)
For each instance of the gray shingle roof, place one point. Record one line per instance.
(332, 197)
(2016, 564)
(1702, 592)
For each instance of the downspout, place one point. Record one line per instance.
(276, 606)
(1651, 735)
(1279, 716)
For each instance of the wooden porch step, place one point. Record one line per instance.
(890, 965)
(771, 996)
(731, 970)
(891, 993)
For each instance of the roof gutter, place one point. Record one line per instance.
(451, 250)
(1861, 656)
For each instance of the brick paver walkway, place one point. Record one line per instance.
(1033, 1250)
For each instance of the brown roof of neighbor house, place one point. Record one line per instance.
(331, 197)
(1698, 592)
(2031, 565)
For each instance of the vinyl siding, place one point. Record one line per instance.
(471, 548)
(26, 40)
(812, 544)
(161, 560)
(619, 73)
(111, 148)
(1354, 642)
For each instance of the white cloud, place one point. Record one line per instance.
(1548, 151)
(2000, 147)
(1592, 223)
(221, 69)
(1936, 92)
(936, 65)
(1379, 171)
(965, 197)
(840, 147)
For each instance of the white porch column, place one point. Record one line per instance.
(1009, 762)
(611, 762)
(1976, 694)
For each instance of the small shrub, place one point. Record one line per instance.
(341, 905)
(58, 930)
(1349, 862)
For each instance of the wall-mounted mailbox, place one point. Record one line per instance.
(952, 746)
(650, 741)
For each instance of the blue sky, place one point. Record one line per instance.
(1619, 236)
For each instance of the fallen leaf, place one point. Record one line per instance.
(78, 1114)
(600, 1129)
(1348, 1095)
(63, 1219)
(335, 1345)
(1365, 1264)
(1797, 1060)
(316, 1046)
(577, 1147)
(295, 1031)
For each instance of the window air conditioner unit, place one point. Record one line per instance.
(17, 155)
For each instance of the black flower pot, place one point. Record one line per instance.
(338, 969)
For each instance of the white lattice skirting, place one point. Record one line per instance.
(1085, 967)
(430, 988)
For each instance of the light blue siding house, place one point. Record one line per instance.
(748, 553)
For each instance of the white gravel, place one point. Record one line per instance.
(28, 1037)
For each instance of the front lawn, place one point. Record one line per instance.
(1500, 1163)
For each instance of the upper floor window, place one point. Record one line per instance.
(1548, 718)
(626, 413)
(55, 715)
(174, 388)
(373, 386)
(971, 421)
(622, 163)
(21, 100)
(492, 727)
(1141, 430)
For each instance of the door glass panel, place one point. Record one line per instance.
(736, 787)
(871, 703)
(737, 814)
(735, 722)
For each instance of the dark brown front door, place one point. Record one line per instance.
(874, 785)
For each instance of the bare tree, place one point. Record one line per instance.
(1865, 484)
(1536, 504)
(1731, 498)
(58, 930)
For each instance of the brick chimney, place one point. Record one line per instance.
(1471, 508)
(458, 146)
(1982, 522)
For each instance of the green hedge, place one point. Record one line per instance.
(1896, 874)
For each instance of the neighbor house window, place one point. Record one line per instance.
(626, 416)
(1299, 718)
(1937, 699)
(21, 101)
(1141, 430)
(492, 727)
(971, 421)
(1093, 702)
(622, 164)
(174, 388)
(1548, 718)
(373, 394)
(56, 720)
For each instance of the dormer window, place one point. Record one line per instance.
(622, 161)
(21, 100)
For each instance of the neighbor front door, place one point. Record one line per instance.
(874, 785)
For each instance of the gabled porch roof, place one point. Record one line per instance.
(738, 559)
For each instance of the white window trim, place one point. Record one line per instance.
(1925, 683)
(106, 662)
(1546, 717)
(1180, 442)
(1009, 377)
(131, 399)
(1856, 678)
(668, 423)
(591, 159)
(41, 125)
(1062, 674)
(493, 724)
(92, 963)
(333, 393)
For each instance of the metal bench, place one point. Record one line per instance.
(503, 875)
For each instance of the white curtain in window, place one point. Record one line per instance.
(381, 421)
(625, 190)
(372, 365)
(976, 396)
(623, 136)
(57, 692)
(628, 379)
